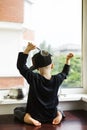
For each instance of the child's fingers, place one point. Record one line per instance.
(71, 55)
(31, 45)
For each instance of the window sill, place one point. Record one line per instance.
(71, 97)
(13, 101)
(62, 98)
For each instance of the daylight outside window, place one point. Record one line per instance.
(57, 25)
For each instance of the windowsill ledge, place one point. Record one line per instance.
(13, 101)
(72, 97)
(62, 98)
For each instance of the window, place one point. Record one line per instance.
(58, 25)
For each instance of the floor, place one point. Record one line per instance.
(75, 120)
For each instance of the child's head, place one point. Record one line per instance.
(41, 59)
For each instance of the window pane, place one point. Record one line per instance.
(57, 24)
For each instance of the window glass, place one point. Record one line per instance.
(57, 25)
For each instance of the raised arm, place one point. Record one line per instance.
(22, 59)
(67, 63)
(63, 75)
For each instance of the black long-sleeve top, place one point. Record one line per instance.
(42, 98)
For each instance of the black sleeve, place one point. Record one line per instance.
(66, 69)
(21, 63)
(63, 75)
(26, 72)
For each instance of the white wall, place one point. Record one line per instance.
(10, 38)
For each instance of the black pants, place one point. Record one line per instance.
(19, 113)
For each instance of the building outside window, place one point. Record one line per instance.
(14, 28)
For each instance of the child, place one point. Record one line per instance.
(42, 98)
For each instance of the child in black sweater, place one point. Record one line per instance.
(42, 98)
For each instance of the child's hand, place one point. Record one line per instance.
(69, 56)
(29, 47)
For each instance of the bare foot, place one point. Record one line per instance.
(29, 120)
(57, 119)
